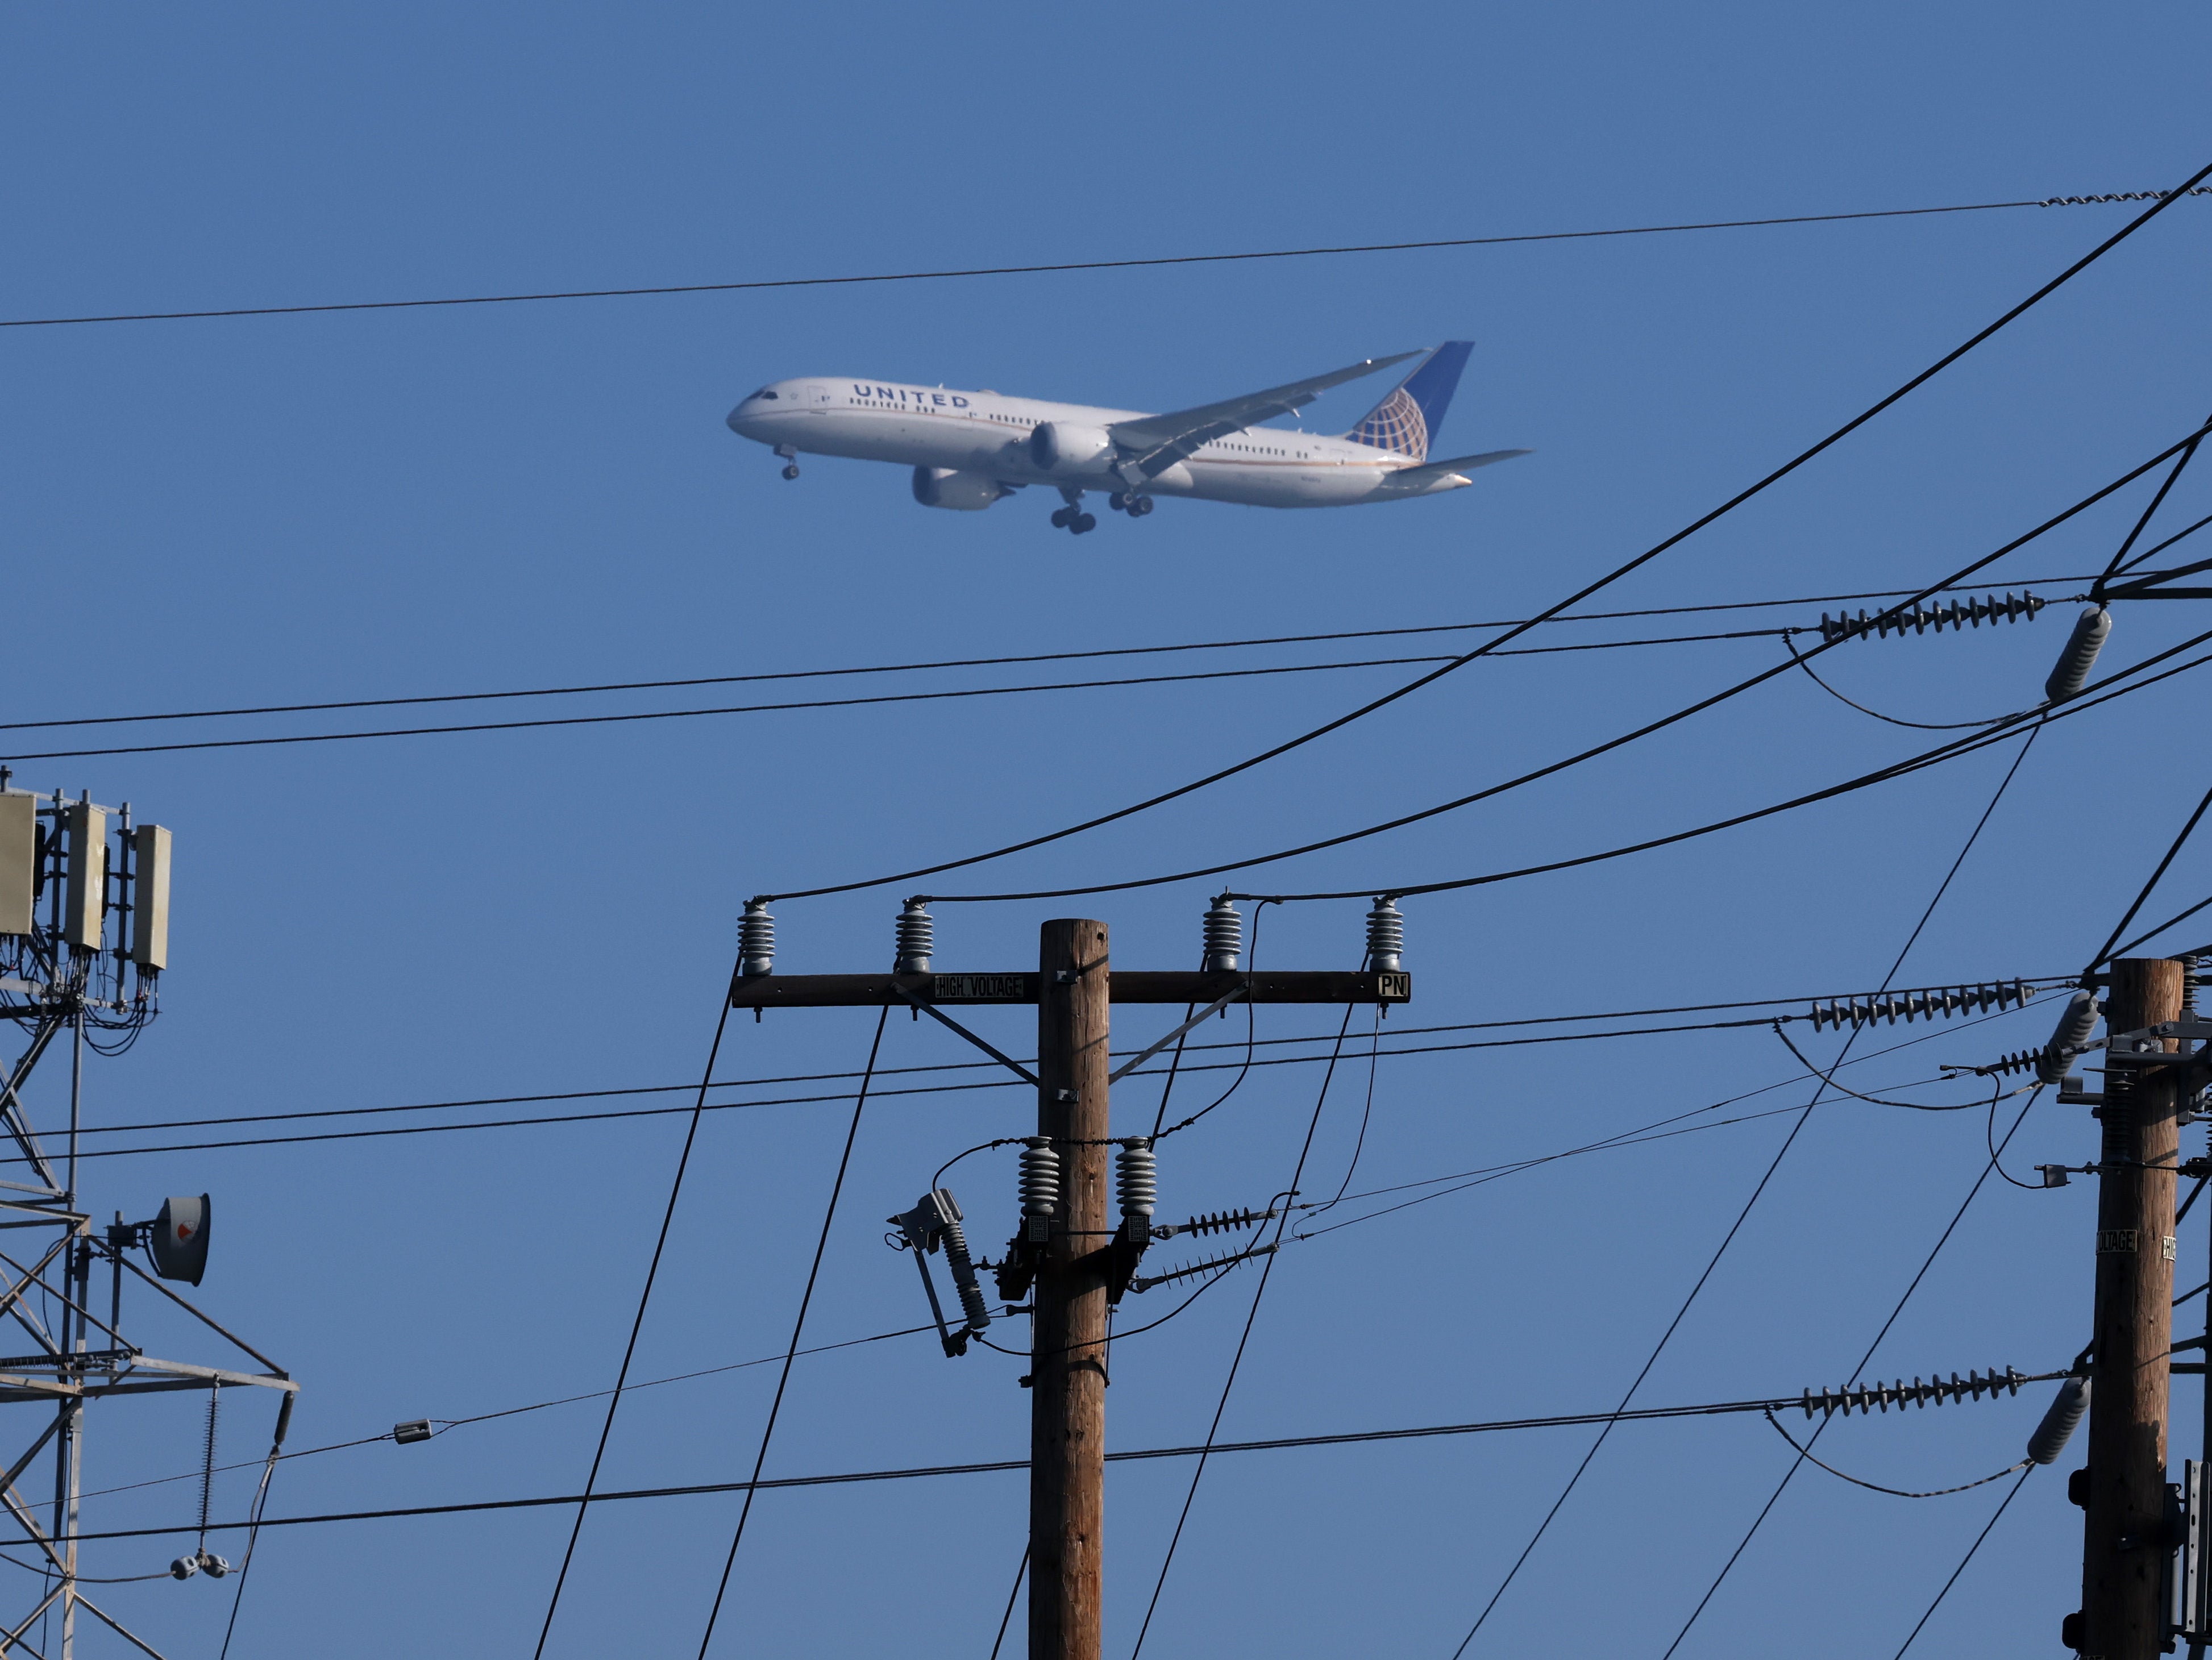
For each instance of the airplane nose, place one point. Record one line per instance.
(736, 419)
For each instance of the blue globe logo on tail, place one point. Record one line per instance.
(1406, 421)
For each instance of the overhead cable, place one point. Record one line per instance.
(1925, 759)
(1016, 661)
(1563, 605)
(993, 1082)
(2181, 838)
(2011, 1493)
(1547, 770)
(637, 1323)
(798, 1329)
(1278, 1444)
(1063, 266)
(1798, 1464)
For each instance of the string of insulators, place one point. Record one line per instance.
(1137, 1177)
(756, 941)
(1386, 937)
(1935, 1392)
(1959, 614)
(2120, 195)
(917, 938)
(1039, 1177)
(1928, 1004)
(1219, 1221)
(1146, 1282)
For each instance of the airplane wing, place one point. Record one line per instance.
(1156, 442)
(1415, 477)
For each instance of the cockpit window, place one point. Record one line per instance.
(765, 391)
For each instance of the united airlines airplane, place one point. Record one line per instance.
(969, 449)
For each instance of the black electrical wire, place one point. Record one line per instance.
(1573, 599)
(1805, 1453)
(735, 708)
(442, 1425)
(2122, 951)
(2108, 687)
(1091, 264)
(1026, 658)
(1781, 1152)
(1857, 1373)
(637, 1322)
(2148, 554)
(1278, 1444)
(1548, 770)
(2011, 1493)
(1791, 646)
(1236, 1361)
(1006, 1619)
(2104, 952)
(2032, 981)
(798, 1327)
(1628, 1137)
(2157, 501)
(930, 1089)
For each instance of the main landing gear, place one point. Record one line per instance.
(1071, 518)
(790, 457)
(1135, 506)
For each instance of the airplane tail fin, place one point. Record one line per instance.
(1408, 420)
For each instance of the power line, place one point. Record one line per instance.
(932, 1089)
(1024, 658)
(1735, 1227)
(771, 708)
(1280, 1444)
(637, 1322)
(2032, 981)
(1798, 1463)
(1243, 1339)
(798, 1326)
(2104, 952)
(2011, 1493)
(1926, 758)
(1566, 604)
(1083, 264)
(1545, 772)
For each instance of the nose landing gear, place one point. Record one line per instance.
(790, 457)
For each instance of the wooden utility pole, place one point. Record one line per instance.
(1073, 1264)
(2125, 1549)
(1067, 1406)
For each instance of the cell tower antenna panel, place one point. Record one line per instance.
(19, 862)
(86, 904)
(149, 914)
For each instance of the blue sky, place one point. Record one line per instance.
(282, 510)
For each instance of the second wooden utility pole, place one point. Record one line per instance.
(2125, 1548)
(1067, 1370)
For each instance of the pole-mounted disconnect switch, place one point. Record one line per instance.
(934, 1222)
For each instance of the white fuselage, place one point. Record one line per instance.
(986, 433)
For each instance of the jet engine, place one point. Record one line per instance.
(962, 492)
(1073, 452)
